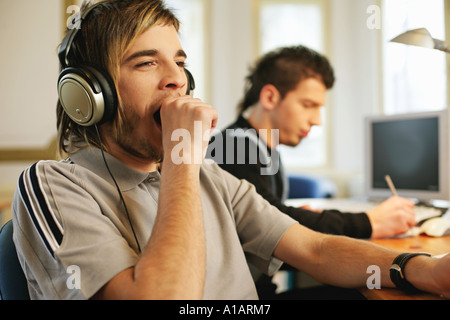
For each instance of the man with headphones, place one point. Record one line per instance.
(137, 225)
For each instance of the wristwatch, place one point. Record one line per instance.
(397, 274)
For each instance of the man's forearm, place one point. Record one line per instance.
(334, 260)
(352, 258)
(345, 262)
(175, 256)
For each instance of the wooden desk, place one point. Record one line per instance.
(434, 246)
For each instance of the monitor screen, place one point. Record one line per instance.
(413, 150)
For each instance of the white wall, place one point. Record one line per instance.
(356, 56)
(30, 33)
(232, 48)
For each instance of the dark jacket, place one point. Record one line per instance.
(272, 187)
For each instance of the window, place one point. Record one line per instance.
(284, 23)
(415, 79)
(191, 13)
(288, 23)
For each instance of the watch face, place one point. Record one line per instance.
(396, 267)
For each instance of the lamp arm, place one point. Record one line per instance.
(441, 45)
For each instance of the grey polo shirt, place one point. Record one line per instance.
(73, 236)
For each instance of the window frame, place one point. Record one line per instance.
(327, 109)
(383, 106)
(205, 83)
(447, 40)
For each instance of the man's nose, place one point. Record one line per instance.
(174, 78)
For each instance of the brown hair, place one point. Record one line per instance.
(285, 68)
(105, 36)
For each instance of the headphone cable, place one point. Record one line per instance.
(117, 187)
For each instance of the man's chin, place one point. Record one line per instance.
(292, 144)
(149, 153)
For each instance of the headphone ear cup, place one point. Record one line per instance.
(190, 83)
(109, 93)
(87, 95)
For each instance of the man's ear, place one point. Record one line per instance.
(269, 97)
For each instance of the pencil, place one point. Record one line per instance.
(391, 185)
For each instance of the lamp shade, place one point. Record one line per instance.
(422, 38)
(418, 37)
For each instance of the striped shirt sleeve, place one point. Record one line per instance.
(37, 205)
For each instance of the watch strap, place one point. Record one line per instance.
(397, 271)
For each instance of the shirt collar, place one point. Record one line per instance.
(126, 177)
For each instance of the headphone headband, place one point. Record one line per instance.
(71, 34)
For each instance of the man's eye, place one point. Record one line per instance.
(145, 64)
(308, 105)
(181, 64)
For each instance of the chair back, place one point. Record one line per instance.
(13, 284)
(311, 187)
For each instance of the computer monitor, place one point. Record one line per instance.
(413, 149)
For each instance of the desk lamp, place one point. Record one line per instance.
(422, 38)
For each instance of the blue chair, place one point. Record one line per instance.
(307, 187)
(13, 284)
(310, 187)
